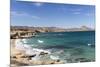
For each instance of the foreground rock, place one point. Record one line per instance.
(26, 60)
(83, 60)
(22, 58)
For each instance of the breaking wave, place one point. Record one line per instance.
(21, 44)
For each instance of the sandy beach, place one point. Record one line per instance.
(21, 58)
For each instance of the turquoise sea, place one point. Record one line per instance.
(67, 46)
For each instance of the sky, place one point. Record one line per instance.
(41, 14)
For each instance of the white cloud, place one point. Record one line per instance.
(76, 13)
(90, 14)
(76, 9)
(15, 13)
(35, 17)
(72, 10)
(38, 4)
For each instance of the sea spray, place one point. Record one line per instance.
(54, 57)
(21, 44)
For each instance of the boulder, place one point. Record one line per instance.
(43, 53)
(29, 57)
(13, 57)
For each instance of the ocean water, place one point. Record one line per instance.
(69, 47)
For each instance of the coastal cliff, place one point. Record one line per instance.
(26, 31)
(49, 29)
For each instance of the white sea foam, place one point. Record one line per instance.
(30, 52)
(41, 50)
(27, 46)
(89, 44)
(21, 45)
(54, 57)
(40, 41)
(24, 40)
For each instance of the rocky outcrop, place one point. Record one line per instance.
(20, 58)
(49, 29)
(24, 60)
(25, 31)
(82, 60)
(43, 53)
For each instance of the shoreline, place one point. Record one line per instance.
(25, 55)
(20, 58)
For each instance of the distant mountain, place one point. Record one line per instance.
(49, 29)
(82, 28)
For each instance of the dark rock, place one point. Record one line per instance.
(13, 57)
(32, 55)
(82, 60)
(52, 63)
(28, 56)
(58, 61)
(43, 53)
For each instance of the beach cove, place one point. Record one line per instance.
(24, 55)
(52, 48)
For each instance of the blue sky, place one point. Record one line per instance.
(51, 15)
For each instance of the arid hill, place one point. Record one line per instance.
(49, 29)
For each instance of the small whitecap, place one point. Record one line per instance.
(40, 41)
(89, 44)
